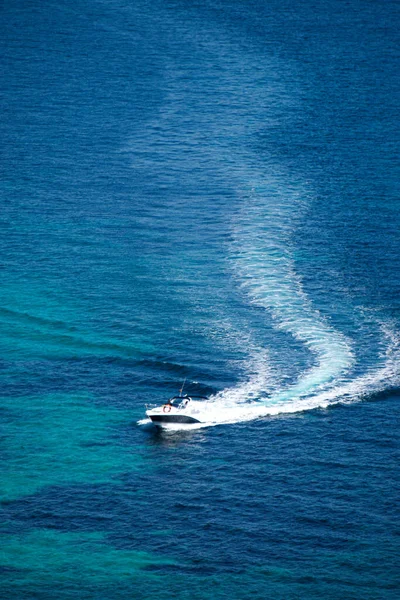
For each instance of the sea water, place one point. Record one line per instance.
(203, 192)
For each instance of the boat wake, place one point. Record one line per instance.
(265, 269)
(244, 403)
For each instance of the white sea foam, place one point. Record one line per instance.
(264, 268)
(229, 406)
(224, 407)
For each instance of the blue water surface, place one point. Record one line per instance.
(203, 192)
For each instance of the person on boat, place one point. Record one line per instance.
(185, 402)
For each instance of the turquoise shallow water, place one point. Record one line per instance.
(205, 192)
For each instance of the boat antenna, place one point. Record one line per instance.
(183, 385)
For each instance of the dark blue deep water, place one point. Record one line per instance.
(205, 191)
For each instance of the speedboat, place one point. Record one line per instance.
(177, 411)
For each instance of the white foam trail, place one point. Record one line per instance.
(264, 265)
(229, 406)
(265, 268)
(291, 401)
(261, 378)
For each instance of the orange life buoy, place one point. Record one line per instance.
(167, 408)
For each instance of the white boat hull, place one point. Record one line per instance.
(171, 419)
(184, 413)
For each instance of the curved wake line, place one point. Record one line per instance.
(233, 406)
(222, 410)
(229, 406)
(265, 267)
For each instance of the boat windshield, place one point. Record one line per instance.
(183, 401)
